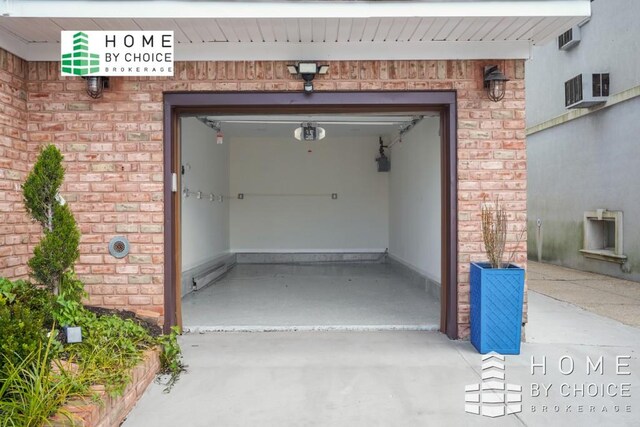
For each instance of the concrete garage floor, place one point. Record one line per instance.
(391, 378)
(272, 297)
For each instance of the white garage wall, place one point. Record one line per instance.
(414, 199)
(205, 225)
(356, 222)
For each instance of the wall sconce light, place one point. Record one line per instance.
(309, 132)
(307, 70)
(494, 82)
(95, 85)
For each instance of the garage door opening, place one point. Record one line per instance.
(317, 216)
(311, 222)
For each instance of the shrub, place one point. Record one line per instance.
(58, 249)
(171, 358)
(25, 319)
(31, 391)
(110, 345)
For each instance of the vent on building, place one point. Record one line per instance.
(569, 38)
(603, 236)
(586, 90)
(119, 247)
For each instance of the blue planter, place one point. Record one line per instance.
(496, 308)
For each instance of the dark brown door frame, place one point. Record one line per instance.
(179, 103)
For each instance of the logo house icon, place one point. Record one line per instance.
(80, 62)
(493, 398)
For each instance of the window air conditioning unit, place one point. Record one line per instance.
(586, 90)
(569, 38)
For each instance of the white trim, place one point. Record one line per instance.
(293, 9)
(354, 51)
(616, 99)
(238, 51)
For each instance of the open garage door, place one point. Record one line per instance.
(311, 220)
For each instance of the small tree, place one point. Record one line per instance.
(58, 250)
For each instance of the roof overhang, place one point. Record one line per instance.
(292, 30)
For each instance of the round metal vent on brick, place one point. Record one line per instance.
(119, 247)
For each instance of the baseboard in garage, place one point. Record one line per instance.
(224, 263)
(308, 257)
(311, 328)
(432, 287)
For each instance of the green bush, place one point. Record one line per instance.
(171, 358)
(58, 248)
(31, 391)
(68, 309)
(25, 320)
(110, 345)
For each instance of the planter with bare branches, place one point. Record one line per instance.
(497, 288)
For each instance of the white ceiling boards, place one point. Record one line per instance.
(290, 30)
(342, 126)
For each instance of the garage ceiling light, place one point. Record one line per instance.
(309, 132)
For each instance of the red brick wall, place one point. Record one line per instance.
(113, 153)
(14, 224)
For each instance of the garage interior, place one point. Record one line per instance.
(311, 222)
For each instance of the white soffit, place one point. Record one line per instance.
(323, 30)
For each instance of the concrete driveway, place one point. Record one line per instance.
(395, 378)
(607, 296)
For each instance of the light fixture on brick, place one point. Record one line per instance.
(307, 70)
(494, 82)
(95, 85)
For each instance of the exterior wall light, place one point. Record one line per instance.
(95, 85)
(307, 70)
(494, 82)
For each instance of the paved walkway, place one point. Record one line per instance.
(401, 378)
(614, 298)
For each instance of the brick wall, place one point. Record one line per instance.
(14, 224)
(113, 154)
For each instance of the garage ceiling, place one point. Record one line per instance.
(340, 126)
(301, 30)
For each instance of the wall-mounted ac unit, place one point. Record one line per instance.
(586, 90)
(569, 38)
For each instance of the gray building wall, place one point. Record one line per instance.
(591, 162)
(610, 44)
